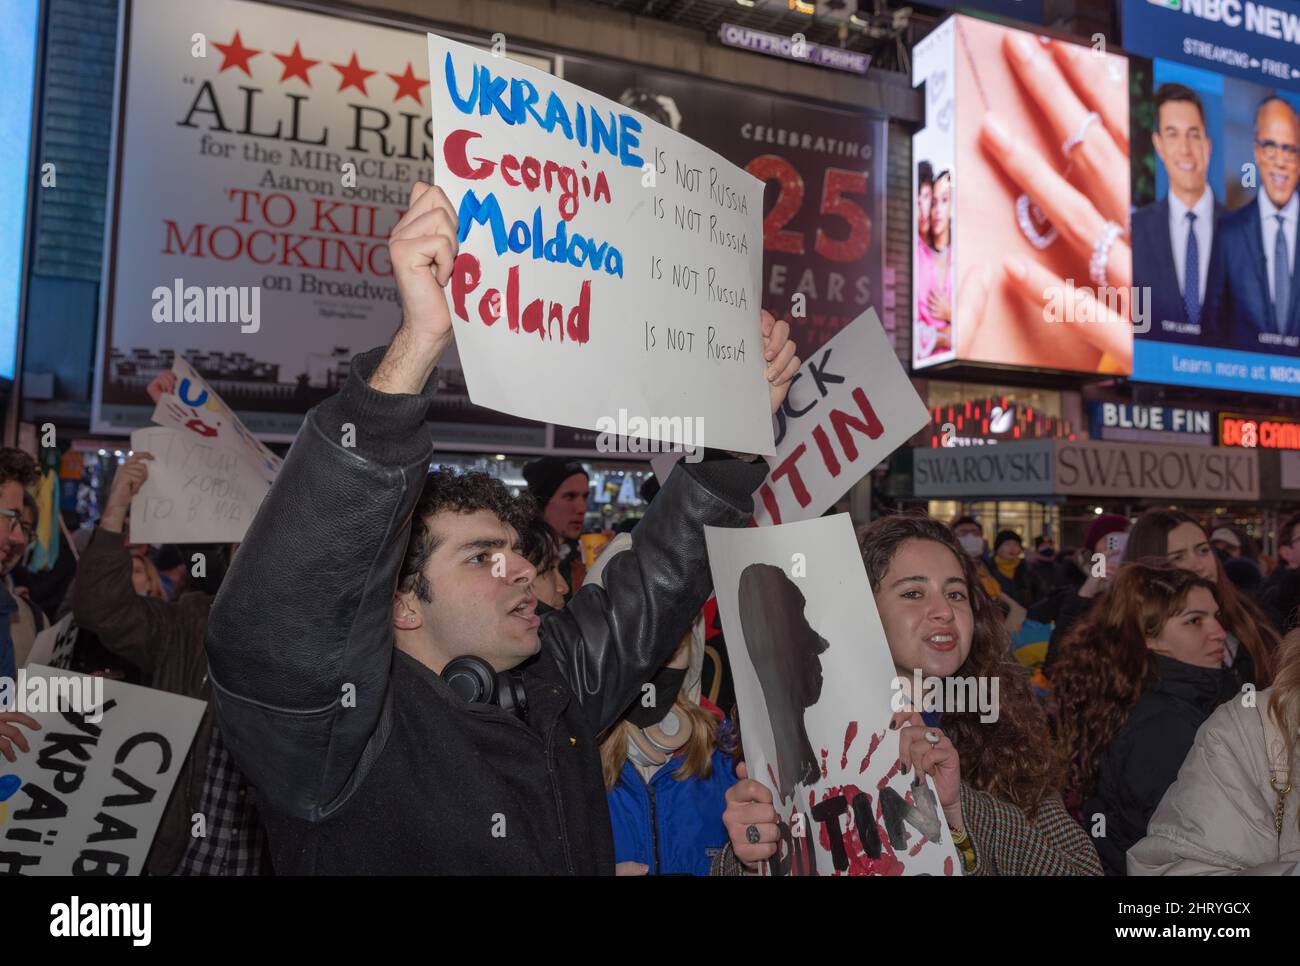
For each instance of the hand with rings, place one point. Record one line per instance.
(1082, 190)
(923, 751)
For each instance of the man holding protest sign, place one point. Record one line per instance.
(346, 705)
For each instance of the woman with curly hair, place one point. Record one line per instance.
(997, 781)
(1134, 682)
(1172, 537)
(1233, 809)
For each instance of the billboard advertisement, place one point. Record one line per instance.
(1216, 162)
(262, 155)
(1021, 215)
(824, 207)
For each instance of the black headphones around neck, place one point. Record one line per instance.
(475, 680)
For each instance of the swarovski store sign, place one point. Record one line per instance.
(1048, 468)
(1174, 472)
(1008, 469)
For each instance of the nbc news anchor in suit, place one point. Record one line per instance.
(1252, 302)
(1173, 237)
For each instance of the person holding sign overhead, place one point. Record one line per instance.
(406, 711)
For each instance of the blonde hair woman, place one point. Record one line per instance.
(1234, 809)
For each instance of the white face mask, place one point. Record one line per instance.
(972, 544)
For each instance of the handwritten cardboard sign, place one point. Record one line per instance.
(88, 796)
(53, 646)
(848, 408)
(196, 408)
(600, 252)
(198, 490)
(813, 677)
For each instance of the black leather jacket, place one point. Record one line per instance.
(405, 776)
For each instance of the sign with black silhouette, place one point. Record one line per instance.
(88, 796)
(814, 682)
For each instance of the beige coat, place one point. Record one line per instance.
(1218, 817)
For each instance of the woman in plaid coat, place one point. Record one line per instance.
(997, 779)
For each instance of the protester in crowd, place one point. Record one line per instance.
(1234, 809)
(1245, 576)
(560, 488)
(119, 598)
(169, 563)
(970, 534)
(541, 547)
(1283, 600)
(47, 587)
(17, 472)
(407, 774)
(1269, 595)
(1173, 537)
(1135, 679)
(27, 620)
(1103, 546)
(1045, 567)
(667, 764)
(1235, 551)
(998, 782)
(1225, 542)
(1009, 569)
(20, 620)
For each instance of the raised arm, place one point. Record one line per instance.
(300, 639)
(104, 601)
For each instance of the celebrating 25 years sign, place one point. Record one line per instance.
(600, 251)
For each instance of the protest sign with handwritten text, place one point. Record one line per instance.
(848, 408)
(198, 490)
(87, 797)
(196, 408)
(600, 252)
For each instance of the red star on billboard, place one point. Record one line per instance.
(408, 84)
(235, 54)
(353, 75)
(296, 65)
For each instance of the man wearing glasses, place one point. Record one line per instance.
(1253, 301)
(17, 472)
(28, 620)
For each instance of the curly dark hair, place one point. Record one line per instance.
(1105, 663)
(1011, 758)
(459, 493)
(15, 465)
(540, 544)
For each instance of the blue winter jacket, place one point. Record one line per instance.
(675, 827)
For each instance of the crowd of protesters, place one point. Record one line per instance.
(519, 709)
